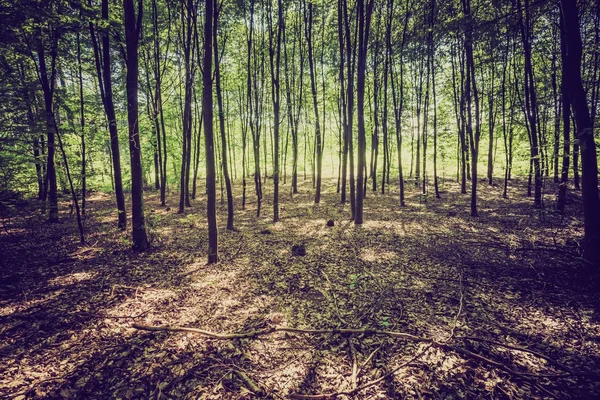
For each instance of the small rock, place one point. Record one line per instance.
(330, 223)
(299, 250)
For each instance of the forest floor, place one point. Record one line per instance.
(478, 289)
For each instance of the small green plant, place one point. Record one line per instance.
(385, 322)
(354, 278)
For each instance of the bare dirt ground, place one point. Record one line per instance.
(480, 290)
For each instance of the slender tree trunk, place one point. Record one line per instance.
(432, 60)
(230, 225)
(344, 104)
(364, 22)
(187, 23)
(103, 70)
(375, 114)
(82, 126)
(531, 102)
(471, 87)
(398, 99)
(576, 179)
(47, 82)
(275, 63)
(133, 25)
(74, 198)
(566, 121)
(351, 55)
(252, 76)
(318, 148)
(207, 109)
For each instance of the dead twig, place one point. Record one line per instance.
(263, 332)
(253, 386)
(362, 387)
(460, 307)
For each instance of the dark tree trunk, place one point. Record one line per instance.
(531, 101)
(82, 125)
(343, 104)
(471, 87)
(224, 161)
(133, 25)
(47, 83)
(566, 121)
(318, 148)
(398, 98)
(275, 63)
(103, 70)
(351, 54)
(364, 22)
(187, 23)
(459, 111)
(375, 113)
(253, 110)
(585, 131)
(207, 109)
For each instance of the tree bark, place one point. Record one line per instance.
(224, 158)
(585, 132)
(133, 25)
(103, 70)
(207, 109)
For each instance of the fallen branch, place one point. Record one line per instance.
(535, 353)
(268, 331)
(496, 364)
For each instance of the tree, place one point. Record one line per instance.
(103, 71)
(585, 130)
(364, 24)
(230, 225)
(47, 35)
(133, 26)
(308, 28)
(471, 88)
(531, 109)
(275, 63)
(188, 18)
(207, 109)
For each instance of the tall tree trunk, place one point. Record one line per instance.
(375, 113)
(585, 130)
(47, 81)
(318, 148)
(432, 50)
(566, 121)
(103, 70)
(252, 80)
(531, 101)
(364, 22)
(224, 161)
(275, 63)
(344, 104)
(133, 25)
(471, 87)
(207, 109)
(187, 23)
(82, 126)
(398, 98)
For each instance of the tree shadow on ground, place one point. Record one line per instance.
(428, 269)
